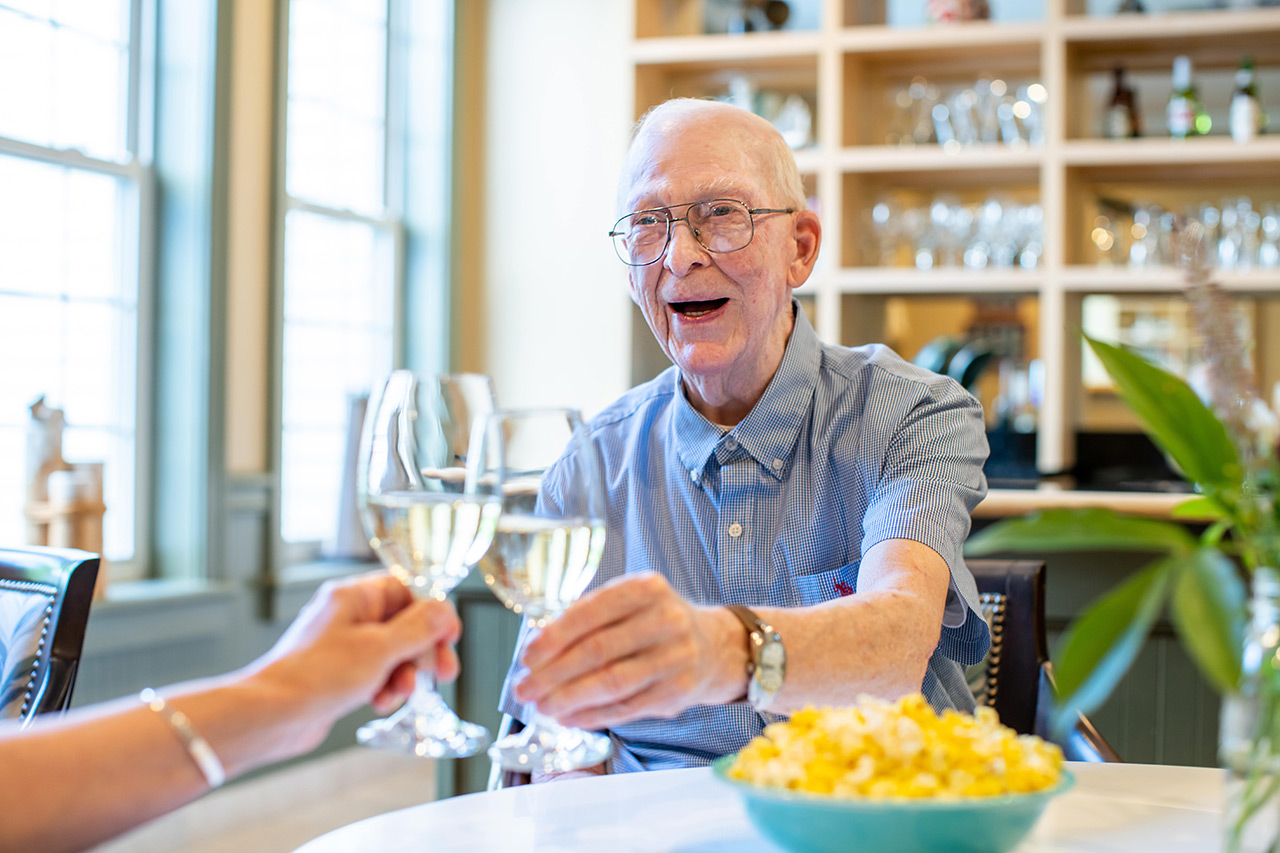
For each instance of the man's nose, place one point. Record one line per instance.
(684, 250)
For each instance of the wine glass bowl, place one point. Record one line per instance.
(428, 525)
(546, 547)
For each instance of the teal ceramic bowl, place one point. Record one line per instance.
(812, 823)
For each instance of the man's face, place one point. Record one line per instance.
(719, 317)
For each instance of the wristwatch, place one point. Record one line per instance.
(767, 667)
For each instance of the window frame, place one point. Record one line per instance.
(139, 172)
(413, 289)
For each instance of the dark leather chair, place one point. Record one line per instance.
(1017, 678)
(45, 594)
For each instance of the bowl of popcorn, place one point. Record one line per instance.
(894, 777)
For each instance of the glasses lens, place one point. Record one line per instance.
(640, 237)
(722, 225)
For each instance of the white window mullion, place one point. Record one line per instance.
(344, 214)
(72, 158)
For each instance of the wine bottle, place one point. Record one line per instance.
(1246, 110)
(1121, 118)
(1185, 113)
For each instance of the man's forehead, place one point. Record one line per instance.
(657, 192)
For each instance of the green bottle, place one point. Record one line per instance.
(1185, 114)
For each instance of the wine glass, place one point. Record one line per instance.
(548, 543)
(428, 525)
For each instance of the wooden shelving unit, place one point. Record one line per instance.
(849, 69)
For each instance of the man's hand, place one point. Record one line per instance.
(633, 649)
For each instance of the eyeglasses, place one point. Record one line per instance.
(721, 225)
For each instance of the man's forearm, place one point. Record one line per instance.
(878, 641)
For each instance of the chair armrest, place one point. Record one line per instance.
(1083, 742)
(499, 777)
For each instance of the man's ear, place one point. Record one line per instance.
(808, 237)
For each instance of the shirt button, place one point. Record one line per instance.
(735, 530)
(777, 463)
(693, 475)
(730, 443)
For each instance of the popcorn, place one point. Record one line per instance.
(895, 750)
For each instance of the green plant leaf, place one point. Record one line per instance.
(1209, 613)
(1099, 647)
(1199, 508)
(1080, 530)
(1173, 416)
(1212, 536)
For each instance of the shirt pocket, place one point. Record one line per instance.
(817, 587)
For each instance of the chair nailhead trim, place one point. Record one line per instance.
(998, 603)
(40, 589)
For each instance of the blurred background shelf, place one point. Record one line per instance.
(1021, 234)
(883, 281)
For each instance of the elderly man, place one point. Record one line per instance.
(785, 516)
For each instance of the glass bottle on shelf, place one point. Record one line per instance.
(1185, 114)
(1121, 118)
(1246, 109)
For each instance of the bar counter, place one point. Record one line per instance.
(1004, 503)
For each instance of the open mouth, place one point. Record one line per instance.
(696, 309)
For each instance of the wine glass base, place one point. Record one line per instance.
(554, 749)
(415, 734)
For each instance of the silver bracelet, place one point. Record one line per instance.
(197, 747)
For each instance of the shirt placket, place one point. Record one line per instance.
(738, 532)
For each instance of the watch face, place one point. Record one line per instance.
(772, 669)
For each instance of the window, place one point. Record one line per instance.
(71, 206)
(350, 150)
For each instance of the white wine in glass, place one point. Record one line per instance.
(546, 549)
(428, 525)
(538, 566)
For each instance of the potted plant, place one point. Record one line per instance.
(1221, 589)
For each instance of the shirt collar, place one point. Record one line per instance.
(770, 430)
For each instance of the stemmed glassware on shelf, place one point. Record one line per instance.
(428, 524)
(947, 232)
(549, 540)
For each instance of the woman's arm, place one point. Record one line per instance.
(77, 780)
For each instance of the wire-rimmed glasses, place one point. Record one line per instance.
(721, 225)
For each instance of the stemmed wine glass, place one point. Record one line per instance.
(548, 543)
(428, 525)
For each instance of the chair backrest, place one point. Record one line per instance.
(1012, 596)
(1016, 678)
(45, 594)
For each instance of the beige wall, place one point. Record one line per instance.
(544, 308)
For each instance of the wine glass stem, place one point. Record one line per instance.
(424, 689)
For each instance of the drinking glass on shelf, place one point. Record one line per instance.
(1269, 249)
(549, 540)
(428, 524)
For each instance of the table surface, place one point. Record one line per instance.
(1113, 808)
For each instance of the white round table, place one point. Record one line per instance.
(1114, 808)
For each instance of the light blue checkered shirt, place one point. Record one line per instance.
(847, 448)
